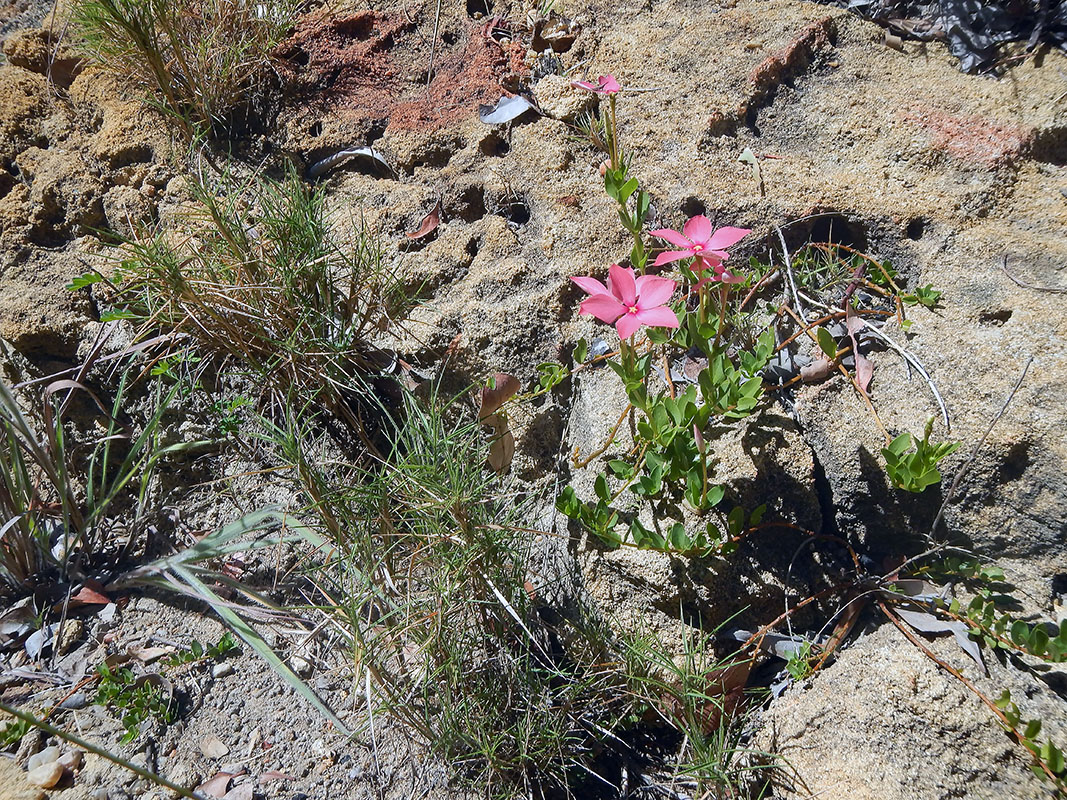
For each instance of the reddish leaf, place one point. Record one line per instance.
(429, 223)
(275, 775)
(216, 785)
(91, 594)
(504, 388)
(502, 450)
(864, 372)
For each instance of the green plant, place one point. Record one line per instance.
(12, 732)
(135, 699)
(203, 62)
(58, 506)
(258, 279)
(426, 568)
(700, 697)
(926, 296)
(915, 469)
(196, 652)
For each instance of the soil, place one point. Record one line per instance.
(960, 180)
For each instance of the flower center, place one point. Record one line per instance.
(697, 248)
(631, 309)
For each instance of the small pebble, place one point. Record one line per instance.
(222, 670)
(99, 793)
(76, 701)
(46, 776)
(71, 760)
(300, 666)
(46, 756)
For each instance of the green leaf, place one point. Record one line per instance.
(826, 342)
(83, 280)
(1020, 632)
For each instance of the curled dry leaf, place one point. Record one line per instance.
(502, 450)
(242, 792)
(429, 223)
(506, 109)
(864, 367)
(493, 397)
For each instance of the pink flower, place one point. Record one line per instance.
(629, 301)
(698, 241)
(606, 84)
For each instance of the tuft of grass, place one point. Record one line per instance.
(202, 62)
(427, 576)
(256, 277)
(700, 697)
(64, 506)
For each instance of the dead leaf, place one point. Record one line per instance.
(146, 655)
(429, 223)
(502, 449)
(212, 747)
(91, 594)
(816, 371)
(506, 109)
(275, 775)
(503, 389)
(864, 367)
(864, 371)
(928, 623)
(216, 785)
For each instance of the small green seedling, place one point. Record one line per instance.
(915, 470)
(924, 295)
(197, 652)
(135, 699)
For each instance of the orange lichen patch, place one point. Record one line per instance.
(372, 66)
(972, 139)
(791, 59)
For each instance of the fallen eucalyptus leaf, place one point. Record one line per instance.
(502, 449)
(506, 109)
(503, 389)
(928, 623)
(429, 223)
(216, 785)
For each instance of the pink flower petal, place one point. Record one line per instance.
(591, 285)
(673, 237)
(627, 325)
(729, 277)
(726, 237)
(672, 255)
(609, 85)
(659, 317)
(622, 283)
(706, 261)
(697, 229)
(602, 306)
(653, 291)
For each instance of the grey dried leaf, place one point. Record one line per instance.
(928, 623)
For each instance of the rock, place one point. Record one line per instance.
(75, 702)
(222, 670)
(559, 100)
(14, 783)
(46, 756)
(301, 666)
(46, 775)
(72, 760)
(884, 722)
(212, 747)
